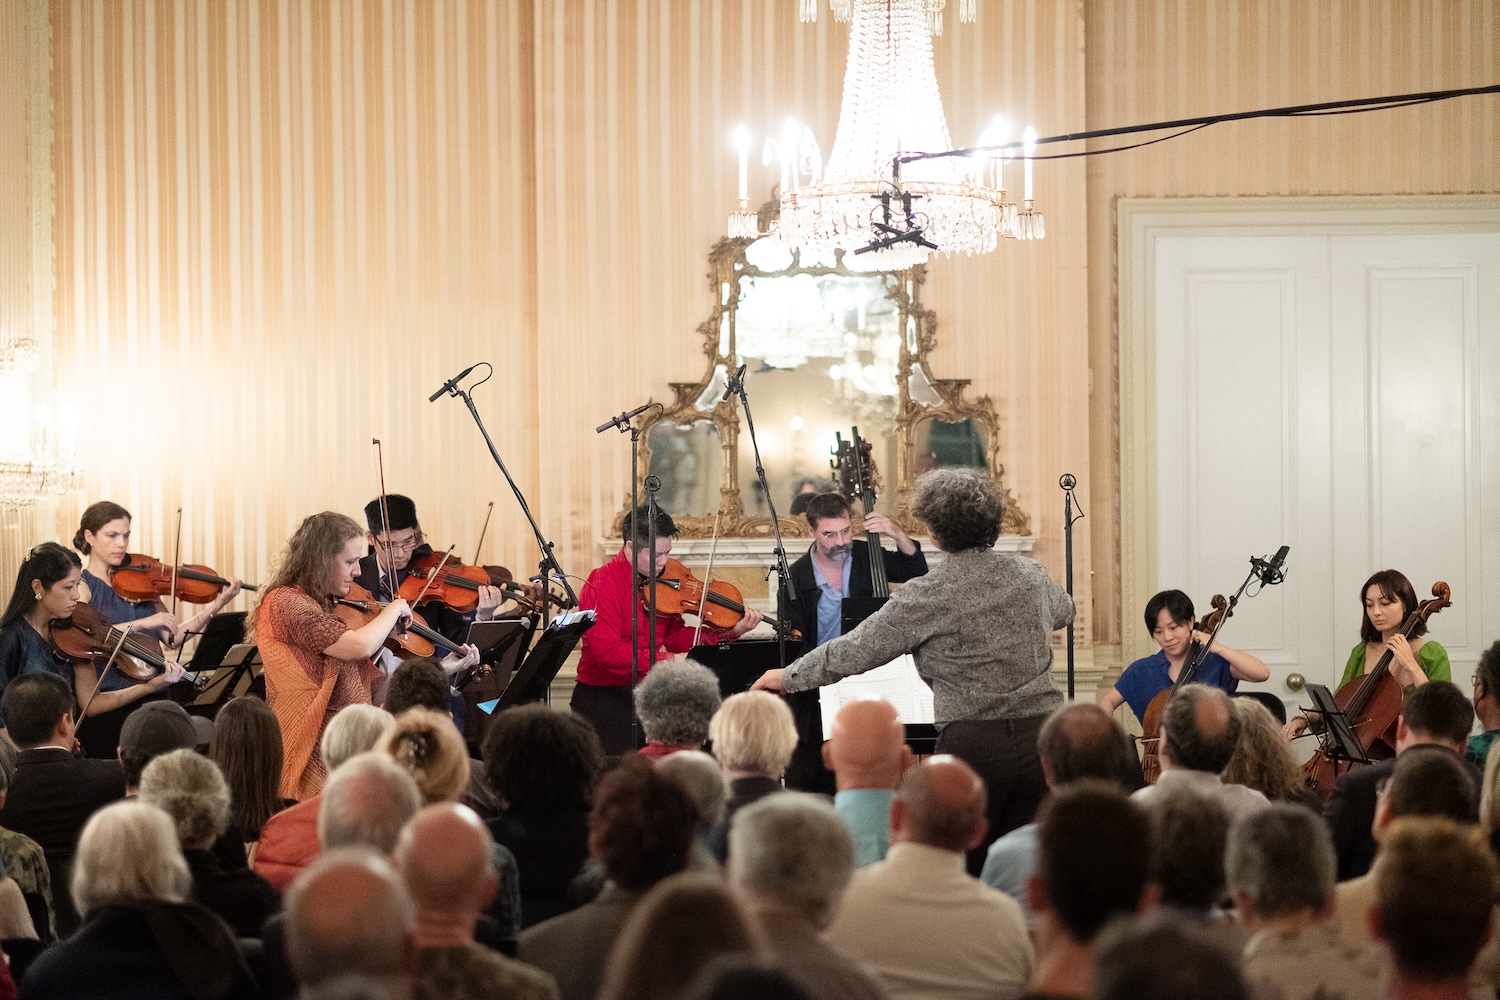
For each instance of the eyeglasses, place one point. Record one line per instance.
(404, 545)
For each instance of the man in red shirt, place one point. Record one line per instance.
(603, 694)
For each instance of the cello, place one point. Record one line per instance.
(1196, 653)
(1372, 705)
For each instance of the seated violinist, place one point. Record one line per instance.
(315, 663)
(46, 590)
(1173, 626)
(603, 693)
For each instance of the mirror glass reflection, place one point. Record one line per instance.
(942, 444)
(689, 461)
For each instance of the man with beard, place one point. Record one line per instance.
(834, 567)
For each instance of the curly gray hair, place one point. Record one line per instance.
(675, 702)
(1281, 859)
(961, 507)
(128, 853)
(188, 787)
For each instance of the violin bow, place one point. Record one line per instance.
(176, 561)
(708, 578)
(385, 525)
(479, 546)
(433, 577)
(99, 678)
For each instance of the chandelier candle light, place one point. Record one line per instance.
(860, 201)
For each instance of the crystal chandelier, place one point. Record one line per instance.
(29, 473)
(891, 105)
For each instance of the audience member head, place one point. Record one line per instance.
(354, 729)
(188, 787)
(941, 803)
(1189, 831)
(429, 745)
(1199, 729)
(867, 746)
(418, 683)
(539, 758)
(791, 852)
(348, 914)
(1435, 887)
(38, 711)
(1436, 712)
(680, 926)
(753, 734)
(1083, 741)
(247, 748)
(1164, 956)
(366, 802)
(153, 729)
(1487, 687)
(1280, 863)
(739, 977)
(354, 987)
(700, 776)
(1093, 857)
(962, 508)
(641, 826)
(675, 703)
(128, 853)
(446, 857)
(1489, 797)
(1429, 781)
(48, 577)
(1263, 758)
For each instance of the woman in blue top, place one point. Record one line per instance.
(1171, 622)
(1388, 598)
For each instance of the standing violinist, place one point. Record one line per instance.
(315, 664)
(1388, 599)
(1173, 627)
(835, 566)
(104, 537)
(603, 694)
(47, 590)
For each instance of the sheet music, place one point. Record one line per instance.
(896, 682)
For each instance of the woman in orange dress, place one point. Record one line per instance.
(315, 664)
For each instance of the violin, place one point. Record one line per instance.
(143, 578)
(1371, 705)
(410, 638)
(720, 605)
(1151, 724)
(457, 585)
(87, 637)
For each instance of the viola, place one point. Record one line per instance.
(1371, 705)
(1151, 724)
(720, 604)
(87, 637)
(410, 638)
(457, 584)
(144, 578)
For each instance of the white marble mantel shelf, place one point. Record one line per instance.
(759, 551)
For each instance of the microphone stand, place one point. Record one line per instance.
(1067, 482)
(652, 485)
(548, 564)
(784, 595)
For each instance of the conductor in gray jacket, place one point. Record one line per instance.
(979, 626)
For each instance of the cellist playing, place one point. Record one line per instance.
(1173, 626)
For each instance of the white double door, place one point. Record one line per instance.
(1339, 394)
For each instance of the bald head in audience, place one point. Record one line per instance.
(348, 913)
(867, 746)
(446, 857)
(1084, 741)
(1199, 729)
(941, 803)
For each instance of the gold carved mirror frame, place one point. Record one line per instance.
(695, 402)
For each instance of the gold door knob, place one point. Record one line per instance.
(1295, 682)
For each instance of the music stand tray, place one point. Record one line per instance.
(232, 678)
(222, 633)
(856, 609)
(535, 675)
(1340, 741)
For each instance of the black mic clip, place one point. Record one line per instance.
(1270, 571)
(623, 420)
(735, 384)
(451, 385)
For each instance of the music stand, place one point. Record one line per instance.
(1339, 739)
(501, 644)
(534, 677)
(234, 677)
(856, 609)
(219, 636)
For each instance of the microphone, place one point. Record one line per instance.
(1270, 572)
(735, 384)
(622, 419)
(448, 385)
(1067, 481)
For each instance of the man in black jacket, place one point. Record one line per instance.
(834, 567)
(53, 793)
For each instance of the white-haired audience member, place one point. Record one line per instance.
(918, 920)
(365, 803)
(700, 776)
(1199, 731)
(1280, 867)
(446, 858)
(140, 936)
(190, 788)
(289, 840)
(675, 702)
(791, 860)
(1093, 859)
(867, 753)
(753, 736)
(349, 913)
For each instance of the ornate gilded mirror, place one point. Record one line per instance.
(828, 347)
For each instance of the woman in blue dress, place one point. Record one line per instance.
(1170, 620)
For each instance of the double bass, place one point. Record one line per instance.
(855, 469)
(1196, 653)
(1371, 705)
